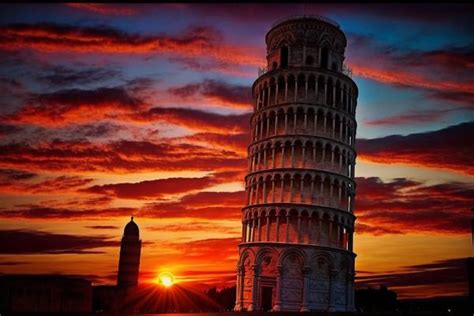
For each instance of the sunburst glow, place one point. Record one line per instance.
(166, 279)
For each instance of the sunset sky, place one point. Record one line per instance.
(112, 110)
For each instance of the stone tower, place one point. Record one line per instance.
(129, 261)
(297, 228)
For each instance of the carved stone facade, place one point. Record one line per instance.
(297, 228)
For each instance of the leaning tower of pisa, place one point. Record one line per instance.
(297, 227)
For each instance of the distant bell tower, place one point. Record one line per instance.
(129, 261)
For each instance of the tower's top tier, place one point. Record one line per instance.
(131, 229)
(305, 41)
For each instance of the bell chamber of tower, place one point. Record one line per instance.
(296, 252)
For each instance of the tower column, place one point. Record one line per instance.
(277, 228)
(273, 190)
(238, 290)
(273, 157)
(277, 306)
(332, 291)
(306, 274)
(267, 237)
(253, 296)
(276, 93)
(276, 124)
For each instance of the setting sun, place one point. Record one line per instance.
(166, 279)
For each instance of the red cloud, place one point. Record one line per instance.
(198, 226)
(68, 106)
(120, 156)
(160, 188)
(198, 42)
(196, 120)
(408, 79)
(204, 205)
(411, 117)
(448, 148)
(104, 9)
(61, 184)
(39, 212)
(441, 74)
(203, 249)
(236, 143)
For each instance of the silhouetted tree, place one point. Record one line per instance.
(225, 298)
(370, 299)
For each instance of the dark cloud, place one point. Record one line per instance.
(52, 185)
(158, 189)
(65, 76)
(405, 206)
(13, 175)
(8, 84)
(69, 106)
(414, 116)
(197, 120)
(94, 130)
(37, 242)
(235, 95)
(8, 130)
(448, 148)
(13, 263)
(102, 227)
(439, 274)
(42, 212)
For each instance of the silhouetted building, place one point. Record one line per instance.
(296, 252)
(129, 261)
(44, 293)
(370, 300)
(470, 266)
